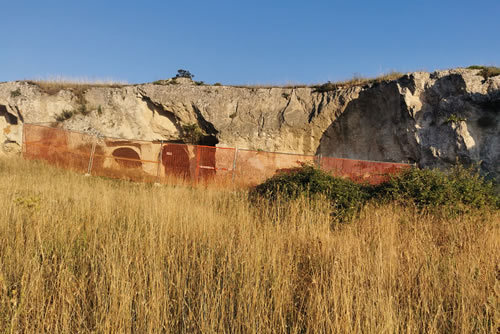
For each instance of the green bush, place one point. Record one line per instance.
(454, 118)
(184, 74)
(346, 197)
(191, 133)
(457, 190)
(15, 93)
(64, 115)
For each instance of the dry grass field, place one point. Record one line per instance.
(85, 255)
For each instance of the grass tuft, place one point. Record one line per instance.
(55, 85)
(486, 71)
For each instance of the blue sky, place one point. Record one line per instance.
(243, 42)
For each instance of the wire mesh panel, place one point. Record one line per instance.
(59, 147)
(133, 160)
(177, 162)
(214, 164)
(253, 167)
(148, 161)
(360, 170)
(381, 171)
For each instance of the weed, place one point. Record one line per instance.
(15, 93)
(54, 86)
(64, 115)
(486, 71)
(83, 109)
(357, 80)
(192, 133)
(31, 203)
(454, 118)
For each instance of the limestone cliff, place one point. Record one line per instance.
(433, 119)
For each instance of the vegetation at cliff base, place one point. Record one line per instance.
(346, 197)
(456, 190)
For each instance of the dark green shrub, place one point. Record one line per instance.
(326, 87)
(82, 109)
(458, 189)
(191, 133)
(346, 197)
(184, 74)
(65, 114)
(454, 118)
(15, 93)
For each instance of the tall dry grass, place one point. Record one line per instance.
(53, 85)
(355, 80)
(81, 255)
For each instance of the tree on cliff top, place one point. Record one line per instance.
(184, 74)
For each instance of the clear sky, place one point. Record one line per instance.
(243, 42)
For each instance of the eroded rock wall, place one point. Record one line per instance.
(432, 119)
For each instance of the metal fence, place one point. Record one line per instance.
(157, 161)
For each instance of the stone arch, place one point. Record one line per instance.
(127, 153)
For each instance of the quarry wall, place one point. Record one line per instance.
(431, 119)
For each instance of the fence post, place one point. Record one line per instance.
(319, 161)
(197, 170)
(234, 163)
(23, 149)
(91, 158)
(160, 162)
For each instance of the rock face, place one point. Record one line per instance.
(432, 119)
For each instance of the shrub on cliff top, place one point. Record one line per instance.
(486, 71)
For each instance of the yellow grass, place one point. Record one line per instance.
(54, 85)
(356, 80)
(80, 255)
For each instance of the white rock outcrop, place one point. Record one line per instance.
(432, 119)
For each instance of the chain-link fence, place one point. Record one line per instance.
(157, 161)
